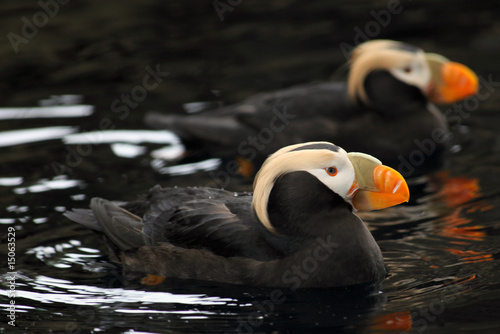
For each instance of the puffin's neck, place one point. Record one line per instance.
(300, 205)
(391, 96)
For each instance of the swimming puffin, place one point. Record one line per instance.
(382, 109)
(297, 230)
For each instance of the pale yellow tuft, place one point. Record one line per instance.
(282, 162)
(377, 54)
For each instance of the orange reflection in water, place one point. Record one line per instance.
(455, 228)
(457, 193)
(152, 279)
(470, 256)
(392, 322)
(480, 206)
(456, 190)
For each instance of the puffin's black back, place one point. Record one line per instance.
(213, 219)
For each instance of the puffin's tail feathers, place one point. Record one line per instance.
(84, 217)
(122, 227)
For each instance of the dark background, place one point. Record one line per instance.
(100, 48)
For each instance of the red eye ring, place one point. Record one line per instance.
(332, 171)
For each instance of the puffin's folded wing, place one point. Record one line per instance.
(209, 224)
(84, 217)
(123, 228)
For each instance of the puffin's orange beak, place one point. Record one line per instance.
(376, 186)
(451, 82)
(391, 190)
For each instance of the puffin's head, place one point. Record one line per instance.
(358, 178)
(441, 80)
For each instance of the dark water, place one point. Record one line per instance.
(442, 250)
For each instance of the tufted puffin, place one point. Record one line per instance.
(298, 228)
(382, 109)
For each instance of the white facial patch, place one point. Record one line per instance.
(342, 181)
(415, 72)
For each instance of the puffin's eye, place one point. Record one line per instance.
(407, 69)
(332, 171)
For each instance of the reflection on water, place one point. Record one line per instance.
(442, 250)
(186, 169)
(112, 136)
(18, 137)
(11, 181)
(48, 185)
(56, 290)
(46, 112)
(124, 143)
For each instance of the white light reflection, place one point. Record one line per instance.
(48, 185)
(169, 152)
(77, 197)
(61, 255)
(188, 312)
(64, 99)
(17, 137)
(63, 291)
(196, 107)
(89, 250)
(19, 308)
(17, 209)
(124, 143)
(46, 112)
(124, 136)
(11, 181)
(42, 252)
(40, 220)
(206, 165)
(127, 150)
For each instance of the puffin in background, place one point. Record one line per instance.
(383, 109)
(297, 230)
